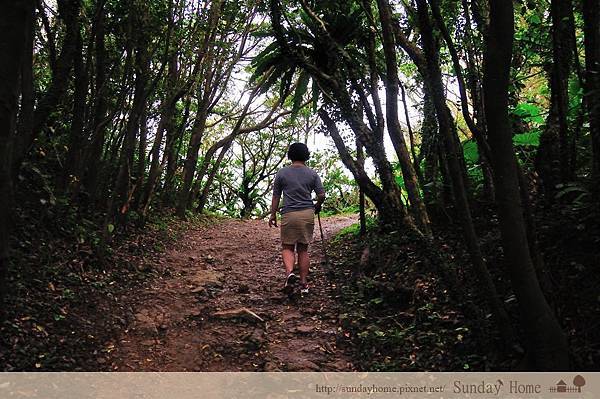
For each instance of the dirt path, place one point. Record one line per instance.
(191, 320)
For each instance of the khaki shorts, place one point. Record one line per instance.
(298, 226)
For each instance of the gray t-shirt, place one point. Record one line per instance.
(297, 184)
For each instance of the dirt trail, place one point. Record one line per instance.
(191, 320)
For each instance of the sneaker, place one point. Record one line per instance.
(290, 281)
(304, 289)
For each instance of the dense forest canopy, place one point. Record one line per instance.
(114, 111)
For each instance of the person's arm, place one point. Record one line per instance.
(320, 194)
(277, 189)
(274, 207)
(320, 200)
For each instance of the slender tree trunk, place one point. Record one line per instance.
(360, 159)
(172, 150)
(393, 121)
(474, 86)
(413, 150)
(386, 207)
(165, 124)
(16, 26)
(429, 149)
(591, 17)
(203, 199)
(245, 196)
(209, 86)
(89, 175)
(140, 173)
(531, 231)
(54, 96)
(25, 119)
(76, 138)
(546, 342)
(448, 131)
(187, 196)
(121, 197)
(552, 159)
(191, 159)
(477, 128)
(374, 147)
(447, 195)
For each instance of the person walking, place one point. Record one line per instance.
(297, 182)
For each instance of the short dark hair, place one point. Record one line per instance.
(298, 152)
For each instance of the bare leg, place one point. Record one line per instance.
(288, 256)
(303, 261)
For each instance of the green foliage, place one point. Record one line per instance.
(353, 230)
(470, 151)
(527, 139)
(529, 113)
(340, 187)
(280, 70)
(300, 91)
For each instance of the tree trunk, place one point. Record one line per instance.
(247, 201)
(591, 17)
(429, 151)
(546, 342)
(203, 199)
(448, 131)
(413, 150)
(16, 26)
(531, 231)
(140, 173)
(165, 124)
(89, 176)
(120, 199)
(25, 119)
(391, 191)
(172, 150)
(552, 159)
(360, 159)
(386, 206)
(393, 121)
(474, 86)
(53, 97)
(191, 159)
(76, 139)
(208, 89)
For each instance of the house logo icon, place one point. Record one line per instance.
(562, 387)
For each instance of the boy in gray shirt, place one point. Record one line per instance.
(296, 182)
(300, 182)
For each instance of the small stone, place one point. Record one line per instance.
(303, 365)
(340, 365)
(144, 318)
(304, 329)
